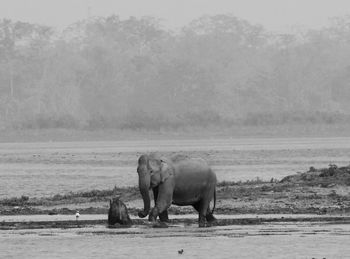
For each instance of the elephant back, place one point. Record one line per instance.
(179, 157)
(197, 167)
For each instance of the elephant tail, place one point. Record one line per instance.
(212, 211)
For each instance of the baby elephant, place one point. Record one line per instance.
(118, 213)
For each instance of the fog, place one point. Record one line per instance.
(135, 73)
(274, 15)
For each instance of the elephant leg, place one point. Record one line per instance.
(204, 209)
(206, 201)
(164, 215)
(210, 217)
(201, 220)
(201, 212)
(159, 210)
(163, 202)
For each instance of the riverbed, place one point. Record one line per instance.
(277, 240)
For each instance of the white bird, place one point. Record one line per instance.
(77, 215)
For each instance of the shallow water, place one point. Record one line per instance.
(42, 169)
(65, 217)
(303, 240)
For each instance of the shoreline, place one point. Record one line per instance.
(222, 220)
(324, 194)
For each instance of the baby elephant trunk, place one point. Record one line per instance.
(118, 213)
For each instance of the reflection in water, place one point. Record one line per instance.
(304, 240)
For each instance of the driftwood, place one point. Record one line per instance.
(118, 213)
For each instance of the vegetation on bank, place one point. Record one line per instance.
(315, 191)
(127, 193)
(326, 177)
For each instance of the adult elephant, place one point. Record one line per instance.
(178, 180)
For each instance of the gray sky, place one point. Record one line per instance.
(278, 15)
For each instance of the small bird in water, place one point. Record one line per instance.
(180, 251)
(77, 215)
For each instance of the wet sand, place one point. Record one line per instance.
(20, 222)
(266, 240)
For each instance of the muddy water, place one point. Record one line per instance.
(304, 240)
(41, 169)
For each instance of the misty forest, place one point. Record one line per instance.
(137, 74)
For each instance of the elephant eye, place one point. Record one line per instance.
(151, 172)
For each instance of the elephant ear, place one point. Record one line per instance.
(166, 171)
(154, 165)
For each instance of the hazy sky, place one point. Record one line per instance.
(273, 14)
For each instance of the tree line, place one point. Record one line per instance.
(134, 73)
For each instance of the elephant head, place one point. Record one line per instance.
(152, 171)
(118, 213)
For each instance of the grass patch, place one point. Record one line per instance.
(126, 193)
(15, 201)
(255, 181)
(325, 177)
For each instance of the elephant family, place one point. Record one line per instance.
(118, 213)
(178, 180)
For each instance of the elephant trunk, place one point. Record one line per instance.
(144, 185)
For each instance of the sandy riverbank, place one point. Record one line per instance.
(317, 192)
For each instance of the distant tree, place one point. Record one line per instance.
(21, 53)
(113, 72)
